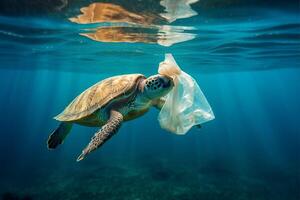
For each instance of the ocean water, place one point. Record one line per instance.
(245, 55)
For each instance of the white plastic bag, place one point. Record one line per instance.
(185, 105)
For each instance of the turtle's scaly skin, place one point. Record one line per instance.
(99, 95)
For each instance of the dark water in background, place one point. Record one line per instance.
(245, 57)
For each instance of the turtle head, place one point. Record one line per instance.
(157, 86)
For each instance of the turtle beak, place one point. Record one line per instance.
(167, 81)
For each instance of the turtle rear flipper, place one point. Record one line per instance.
(58, 135)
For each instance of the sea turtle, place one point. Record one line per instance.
(107, 104)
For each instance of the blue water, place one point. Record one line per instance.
(246, 58)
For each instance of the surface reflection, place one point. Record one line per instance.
(117, 24)
(177, 9)
(123, 34)
(162, 35)
(108, 12)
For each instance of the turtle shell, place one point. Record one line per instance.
(99, 95)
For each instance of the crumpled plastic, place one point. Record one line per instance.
(185, 105)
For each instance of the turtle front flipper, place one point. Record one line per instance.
(106, 132)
